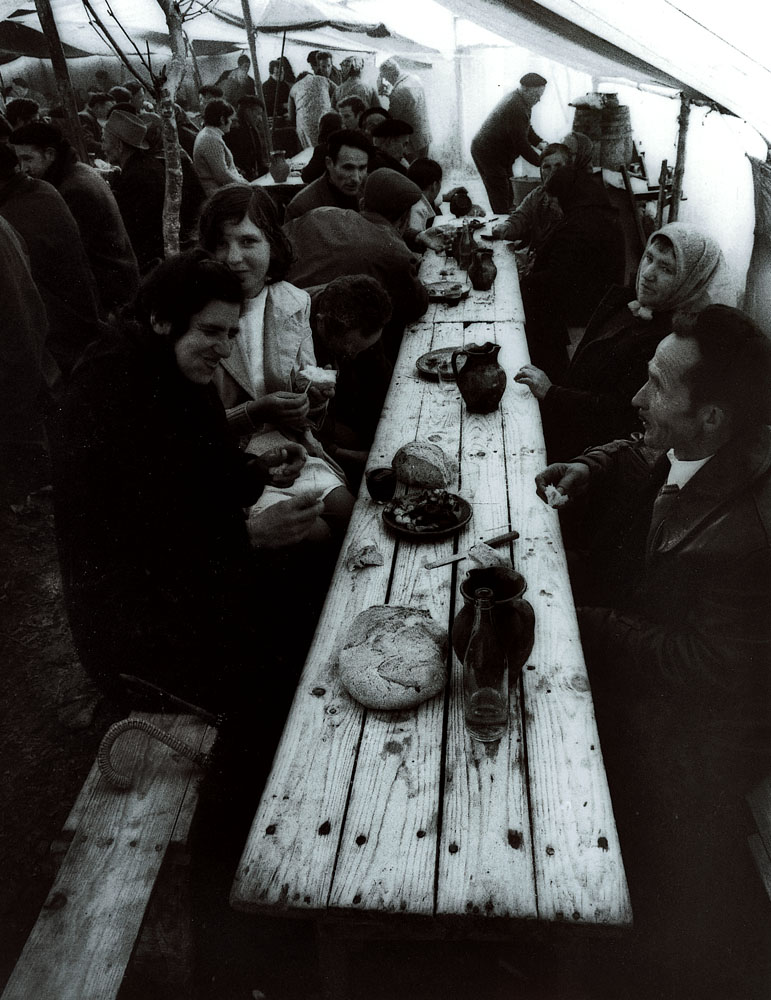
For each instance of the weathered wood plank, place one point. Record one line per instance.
(485, 859)
(82, 941)
(388, 854)
(289, 859)
(579, 872)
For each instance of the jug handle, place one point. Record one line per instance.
(453, 361)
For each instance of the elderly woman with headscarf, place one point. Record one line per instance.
(353, 85)
(682, 270)
(581, 151)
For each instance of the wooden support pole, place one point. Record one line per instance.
(682, 135)
(633, 205)
(662, 198)
(62, 76)
(249, 25)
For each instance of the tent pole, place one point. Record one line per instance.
(249, 25)
(677, 180)
(280, 73)
(458, 93)
(61, 73)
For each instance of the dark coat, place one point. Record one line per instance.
(680, 668)
(139, 190)
(507, 134)
(593, 402)
(580, 259)
(104, 235)
(58, 263)
(149, 490)
(319, 194)
(248, 150)
(379, 158)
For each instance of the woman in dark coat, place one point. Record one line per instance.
(681, 270)
(150, 488)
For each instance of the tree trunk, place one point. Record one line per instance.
(61, 73)
(169, 84)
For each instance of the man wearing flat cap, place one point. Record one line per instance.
(139, 188)
(505, 135)
(391, 139)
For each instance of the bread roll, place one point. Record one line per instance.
(393, 657)
(422, 463)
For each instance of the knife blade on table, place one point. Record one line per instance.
(497, 540)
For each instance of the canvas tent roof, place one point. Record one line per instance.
(703, 47)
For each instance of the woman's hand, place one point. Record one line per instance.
(289, 409)
(569, 478)
(288, 522)
(283, 465)
(538, 382)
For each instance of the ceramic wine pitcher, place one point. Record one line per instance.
(481, 381)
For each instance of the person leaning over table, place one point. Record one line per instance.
(149, 489)
(575, 265)
(676, 631)
(538, 213)
(346, 162)
(259, 383)
(682, 270)
(505, 135)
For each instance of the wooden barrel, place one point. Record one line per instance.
(588, 121)
(616, 145)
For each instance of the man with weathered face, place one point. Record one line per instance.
(348, 154)
(539, 212)
(678, 647)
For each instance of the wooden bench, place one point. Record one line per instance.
(114, 846)
(759, 800)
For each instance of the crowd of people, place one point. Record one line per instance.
(203, 483)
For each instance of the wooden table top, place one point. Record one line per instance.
(402, 812)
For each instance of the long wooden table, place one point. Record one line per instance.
(401, 815)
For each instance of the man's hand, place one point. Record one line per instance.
(287, 522)
(536, 380)
(283, 465)
(432, 238)
(569, 478)
(499, 232)
(286, 408)
(542, 145)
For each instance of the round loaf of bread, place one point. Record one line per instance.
(393, 657)
(421, 463)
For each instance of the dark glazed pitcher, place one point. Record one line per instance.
(482, 271)
(279, 168)
(481, 380)
(513, 616)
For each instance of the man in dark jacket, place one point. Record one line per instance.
(678, 647)
(505, 135)
(347, 162)
(57, 258)
(44, 153)
(139, 188)
(574, 267)
(391, 139)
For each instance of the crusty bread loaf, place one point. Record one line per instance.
(422, 463)
(393, 657)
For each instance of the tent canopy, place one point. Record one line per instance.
(708, 50)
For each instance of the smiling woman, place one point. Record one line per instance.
(149, 494)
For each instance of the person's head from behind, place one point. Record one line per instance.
(323, 65)
(350, 109)
(531, 87)
(351, 312)
(100, 106)
(553, 157)
(219, 114)
(427, 174)
(390, 70)
(393, 137)
(38, 147)
(351, 67)
(709, 381)
(137, 91)
(239, 226)
(370, 118)
(347, 160)
(329, 122)
(21, 111)
(676, 268)
(392, 195)
(120, 95)
(206, 94)
(196, 303)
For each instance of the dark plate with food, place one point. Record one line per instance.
(426, 515)
(447, 291)
(436, 365)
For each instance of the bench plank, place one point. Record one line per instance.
(84, 936)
